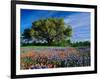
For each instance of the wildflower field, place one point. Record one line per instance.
(59, 40)
(54, 57)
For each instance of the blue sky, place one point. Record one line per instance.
(80, 21)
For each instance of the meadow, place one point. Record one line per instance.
(49, 43)
(35, 57)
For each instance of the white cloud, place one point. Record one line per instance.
(78, 20)
(80, 23)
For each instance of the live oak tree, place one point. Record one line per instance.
(51, 30)
(26, 35)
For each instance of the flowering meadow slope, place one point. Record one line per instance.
(41, 58)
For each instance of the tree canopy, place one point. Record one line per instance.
(26, 34)
(52, 30)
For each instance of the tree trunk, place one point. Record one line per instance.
(49, 41)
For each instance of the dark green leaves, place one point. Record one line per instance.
(51, 30)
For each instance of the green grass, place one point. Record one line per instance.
(43, 46)
(52, 46)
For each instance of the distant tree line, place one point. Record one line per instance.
(80, 44)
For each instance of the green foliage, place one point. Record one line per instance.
(62, 42)
(80, 44)
(52, 30)
(26, 34)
